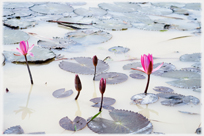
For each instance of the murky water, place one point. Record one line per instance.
(36, 110)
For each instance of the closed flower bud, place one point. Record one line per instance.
(102, 85)
(78, 85)
(95, 60)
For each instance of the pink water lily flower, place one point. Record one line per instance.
(24, 49)
(147, 64)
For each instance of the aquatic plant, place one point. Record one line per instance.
(102, 87)
(95, 62)
(78, 85)
(147, 67)
(24, 50)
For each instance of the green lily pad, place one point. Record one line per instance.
(195, 57)
(112, 24)
(89, 36)
(181, 74)
(119, 7)
(163, 89)
(14, 36)
(124, 122)
(118, 49)
(40, 55)
(18, 23)
(83, 65)
(143, 98)
(78, 123)
(14, 130)
(112, 77)
(91, 12)
(52, 8)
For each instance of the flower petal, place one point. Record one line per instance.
(31, 48)
(157, 67)
(27, 47)
(31, 54)
(138, 70)
(23, 47)
(19, 51)
(17, 54)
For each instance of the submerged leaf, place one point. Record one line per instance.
(112, 77)
(144, 98)
(78, 123)
(61, 93)
(118, 49)
(14, 130)
(163, 89)
(124, 122)
(40, 55)
(83, 65)
(195, 57)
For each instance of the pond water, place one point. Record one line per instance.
(35, 109)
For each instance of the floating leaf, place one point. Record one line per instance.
(14, 36)
(197, 90)
(124, 122)
(106, 100)
(180, 74)
(172, 102)
(166, 67)
(191, 99)
(40, 55)
(192, 83)
(76, 3)
(14, 130)
(197, 70)
(61, 93)
(198, 130)
(137, 76)
(151, 10)
(107, 107)
(191, 113)
(78, 123)
(168, 4)
(17, 23)
(132, 65)
(14, 5)
(144, 98)
(193, 6)
(25, 12)
(195, 57)
(91, 12)
(89, 37)
(7, 12)
(52, 8)
(118, 49)
(170, 95)
(197, 65)
(83, 65)
(119, 7)
(163, 89)
(150, 27)
(112, 77)
(112, 24)
(37, 133)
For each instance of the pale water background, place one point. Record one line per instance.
(48, 110)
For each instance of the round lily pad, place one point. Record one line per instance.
(89, 36)
(14, 5)
(197, 65)
(195, 57)
(151, 10)
(61, 93)
(7, 12)
(17, 23)
(124, 122)
(191, 99)
(166, 67)
(112, 77)
(22, 12)
(163, 89)
(181, 74)
(144, 98)
(78, 123)
(14, 130)
(119, 7)
(14, 36)
(168, 4)
(193, 6)
(197, 70)
(40, 55)
(170, 96)
(198, 130)
(186, 112)
(52, 8)
(137, 76)
(83, 65)
(118, 49)
(192, 83)
(197, 90)
(91, 12)
(172, 102)
(112, 24)
(106, 100)
(149, 27)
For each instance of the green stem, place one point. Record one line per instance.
(147, 84)
(31, 79)
(101, 102)
(77, 95)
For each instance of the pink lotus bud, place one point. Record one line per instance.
(95, 60)
(102, 85)
(78, 85)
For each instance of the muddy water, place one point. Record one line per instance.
(36, 110)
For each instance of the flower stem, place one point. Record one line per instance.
(31, 79)
(147, 84)
(77, 95)
(101, 102)
(94, 73)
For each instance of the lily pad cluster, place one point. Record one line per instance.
(18, 130)
(91, 12)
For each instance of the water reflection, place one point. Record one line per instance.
(94, 94)
(78, 112)
(25, 110)
(146, 111)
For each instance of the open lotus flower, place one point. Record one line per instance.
(102, 88)
(24, 49)
(147, 67)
